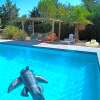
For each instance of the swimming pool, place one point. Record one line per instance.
(72, 75)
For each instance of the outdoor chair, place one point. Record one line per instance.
(70, 40)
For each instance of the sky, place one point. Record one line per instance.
(27, 5)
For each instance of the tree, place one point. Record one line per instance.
(78, 16)
(53, 9)
(90, 3)
(93, 6)
(48, 8)
(62, 11)
(35, 13)
(8, 12)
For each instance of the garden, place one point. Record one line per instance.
(82, 20)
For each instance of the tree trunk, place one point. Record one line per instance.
(76, 33)
(78, 27)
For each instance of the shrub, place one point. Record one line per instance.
(9, 31)
(19, 35)
(13, 32)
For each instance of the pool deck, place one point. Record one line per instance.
(57, 46)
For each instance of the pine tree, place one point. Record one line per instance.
(8, 12)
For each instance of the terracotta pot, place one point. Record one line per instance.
(52, 37)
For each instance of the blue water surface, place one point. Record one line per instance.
(71, 75)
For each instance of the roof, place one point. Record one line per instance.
(40, 19)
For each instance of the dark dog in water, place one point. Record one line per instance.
(30, 81)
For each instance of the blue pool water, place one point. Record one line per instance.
(72, 75)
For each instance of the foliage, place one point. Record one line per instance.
(93, 6)
(53, 9)
(12, 32)
(90, 3)
(48, 8)
(35, 13)
(86, 13)
(78, 14)
(8, 12)
(62, 11)
(70, 14)
(20, 36)
(95, 12)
